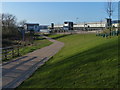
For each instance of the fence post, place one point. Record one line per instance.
(13, 52)
(18, 50)
(5, 54)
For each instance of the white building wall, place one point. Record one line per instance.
(116, 24)
(78, 25)
(90, 24)
(95, 24)
(61, 25)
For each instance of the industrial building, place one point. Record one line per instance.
(86, 26)
(44, 29)
(68, 25)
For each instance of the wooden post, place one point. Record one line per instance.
(18, 50)
(5, 54)
(13, 52)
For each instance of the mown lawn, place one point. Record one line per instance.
(86, 61)
(41, 42)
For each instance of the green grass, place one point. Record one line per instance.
(86, 61)
(37, 45)
(57, 36)
(40, 43)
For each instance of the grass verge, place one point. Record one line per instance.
(37, 44)
(86, 61)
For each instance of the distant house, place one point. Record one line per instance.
(32, 27)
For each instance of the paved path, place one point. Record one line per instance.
(16, 71)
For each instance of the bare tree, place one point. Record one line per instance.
(110, 10)
(8, 20)
(9, 27)
(21, 23)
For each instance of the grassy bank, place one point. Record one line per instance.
(86, 61)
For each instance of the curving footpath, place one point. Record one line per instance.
(16, 71)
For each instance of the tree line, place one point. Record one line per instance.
(11, 35)
(10, 26)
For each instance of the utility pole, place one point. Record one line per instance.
(109, 11)
(101, 22)
(77, 20)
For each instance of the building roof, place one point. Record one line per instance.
(116, 21)
(31, 24)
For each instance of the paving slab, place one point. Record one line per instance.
(13, 74)
(16, 71)
(8, 66)
(24, 67)
(7, 80)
